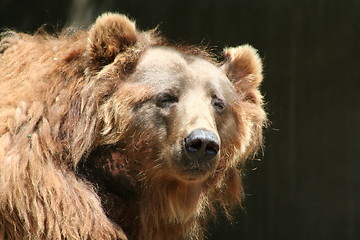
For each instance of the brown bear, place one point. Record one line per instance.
(113, 133)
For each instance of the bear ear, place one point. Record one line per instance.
(111, 34)
(243, 67)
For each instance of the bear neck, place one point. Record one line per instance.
(173, 208)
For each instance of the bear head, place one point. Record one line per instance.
(188, 114)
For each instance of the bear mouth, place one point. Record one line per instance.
(195, 174)
(190, 170)
(196, 171)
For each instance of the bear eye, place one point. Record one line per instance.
(166, 99)
(218, 104)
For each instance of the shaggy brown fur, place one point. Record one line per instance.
(87, 149)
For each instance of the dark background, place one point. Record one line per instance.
(307, 184)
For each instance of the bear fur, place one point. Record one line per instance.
(92, 129)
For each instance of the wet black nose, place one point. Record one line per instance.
(201, 145)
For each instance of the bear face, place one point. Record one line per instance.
(138, 138)
(185, 113)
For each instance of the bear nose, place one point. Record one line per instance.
(201, 145)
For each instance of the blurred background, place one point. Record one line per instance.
(306, 185)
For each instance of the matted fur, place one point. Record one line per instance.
(66, 104)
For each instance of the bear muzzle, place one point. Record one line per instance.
(200, 154)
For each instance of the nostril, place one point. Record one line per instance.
(212, 148)
(194, 145)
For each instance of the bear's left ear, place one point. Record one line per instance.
(111, 34)
(244, 69)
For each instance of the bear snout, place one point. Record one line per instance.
(201, 145)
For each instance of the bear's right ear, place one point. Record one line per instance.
(111, 34)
